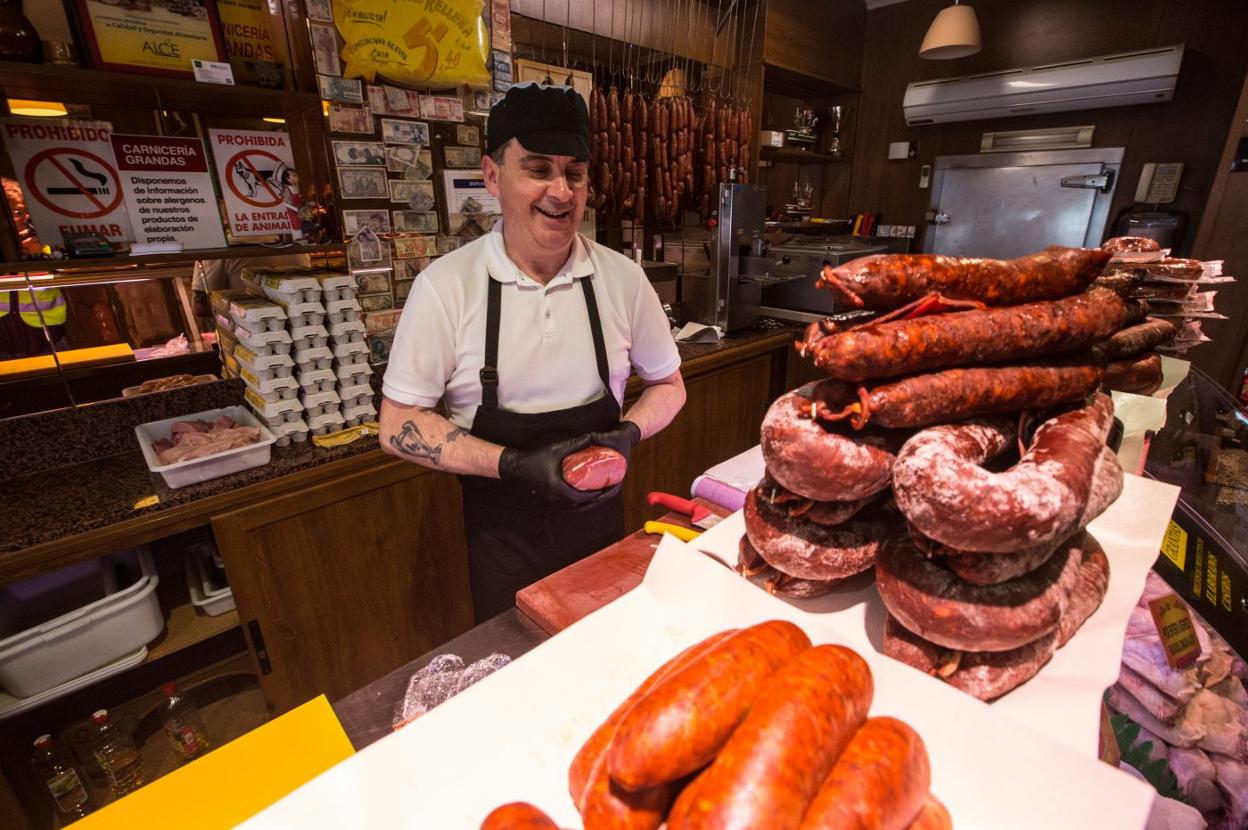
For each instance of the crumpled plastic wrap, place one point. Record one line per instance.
(444, 677)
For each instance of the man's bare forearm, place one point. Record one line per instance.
(422, 435)
(658, 405)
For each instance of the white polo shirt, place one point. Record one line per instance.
(545, 349)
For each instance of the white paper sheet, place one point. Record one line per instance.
(1063, 700)
(1138, 414)
(1173, 371)
(512, 736)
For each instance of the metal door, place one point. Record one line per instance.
(1010, 204)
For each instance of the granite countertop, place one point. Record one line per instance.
(53, 504)
(693, 351)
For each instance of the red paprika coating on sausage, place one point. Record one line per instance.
(596, 746)
(884, 282)
(519, 815)
(932, 816)
(594, 468)
(1131, 341)
(970, 338)
(684, 721)
(1120, 244)
(1139, 375)
(879, 782)
(769, 771)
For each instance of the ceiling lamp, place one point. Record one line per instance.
(954, 33)
(45, 109)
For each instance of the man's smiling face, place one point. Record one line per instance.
(543, 197)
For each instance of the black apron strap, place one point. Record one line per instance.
(489, 369)
(595, 328)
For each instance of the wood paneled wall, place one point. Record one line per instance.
(1189, 129)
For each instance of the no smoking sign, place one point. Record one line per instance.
(76, 183)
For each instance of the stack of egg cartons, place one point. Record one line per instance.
(346, 331)
(298, 292)
(226, 341)
(262, 352)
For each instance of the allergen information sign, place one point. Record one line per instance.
(258, 181)
(69, 177)
(168, 190)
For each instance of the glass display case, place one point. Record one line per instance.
(1203, 449)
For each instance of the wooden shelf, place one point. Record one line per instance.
(107, 269)
(185, 627)
(798, 156)
(74, 85)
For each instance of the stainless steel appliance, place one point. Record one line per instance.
(726, 297)
(1005, 205)
(792, 268)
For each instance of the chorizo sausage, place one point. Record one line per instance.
(932, 816)
(828, 513)
(1124, 244)
(1089, 590)
(1140, 376)
(880, 781)
(956, 394)
(883, 282)
(1130, 342)
(1137, 312)
(771, 768)
(970, 338)
(595, 747)
(798, 547)
(820, 463)
(519, 815)
(681, 724)
(749, 564)
(945, 493)
(930, 600)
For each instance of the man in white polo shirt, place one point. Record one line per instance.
(528, 336)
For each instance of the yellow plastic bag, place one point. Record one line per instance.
(434, 44)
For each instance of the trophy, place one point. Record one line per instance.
(832, 138)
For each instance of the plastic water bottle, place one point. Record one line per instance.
(182, 724)
(116, 754)
(56, 770)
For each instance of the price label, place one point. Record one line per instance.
(1178, 632)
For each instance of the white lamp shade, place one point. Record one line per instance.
(954, 33)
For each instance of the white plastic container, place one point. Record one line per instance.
(212, 603)
(11, 706)
(210, 466)
(74, 644)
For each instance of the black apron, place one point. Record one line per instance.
(515, 539)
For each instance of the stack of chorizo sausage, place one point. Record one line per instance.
(1161, 294)
(911, 457)
(752, 728)
(652, 159)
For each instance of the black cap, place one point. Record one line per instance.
(545, 119)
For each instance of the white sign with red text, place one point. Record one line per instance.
(69, 177)
(258, 181)
(169, 190)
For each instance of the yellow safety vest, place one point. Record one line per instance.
(48, 302)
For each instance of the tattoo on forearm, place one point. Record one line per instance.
(455, 433)
(410, 441)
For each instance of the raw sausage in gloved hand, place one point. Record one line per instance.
(594, 468)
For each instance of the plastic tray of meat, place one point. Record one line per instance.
(195, 470)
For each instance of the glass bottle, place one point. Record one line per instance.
(55, 768)
(18, 39)
(116, 754)
(182, 724)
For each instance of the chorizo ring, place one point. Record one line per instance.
(801, 548)
(930, 600)
(945, 493)
(883, 282)
(819, 463)
(970, 338)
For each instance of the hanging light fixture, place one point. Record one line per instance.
(954, 33)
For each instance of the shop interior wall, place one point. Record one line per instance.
(1190, 129)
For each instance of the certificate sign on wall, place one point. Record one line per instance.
(168, 190)
(150, 37)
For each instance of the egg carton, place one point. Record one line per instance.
(352, 360)
(229, 366)
(220, 300)
(283, 388)
(318, 399)
(343, 315)
(257, 315)
(226, 340)
(269, 409)
(345, 350)
(354, 390)
(309, 335)
(348, 331)
(291, 431)
(265, 342)
(311, 314)
(353, 373)
(332, 284)
(264, 367)
(317, 357)
(365, 399)
(223, 320)
(315, 377)
(291, 290)
(325, 423)
(359, 414)
(275, 422)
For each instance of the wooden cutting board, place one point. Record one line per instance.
(565, 596)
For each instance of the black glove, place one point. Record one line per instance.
(540, 471)
(622, 438)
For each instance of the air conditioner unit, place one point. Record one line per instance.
(1142, 77)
